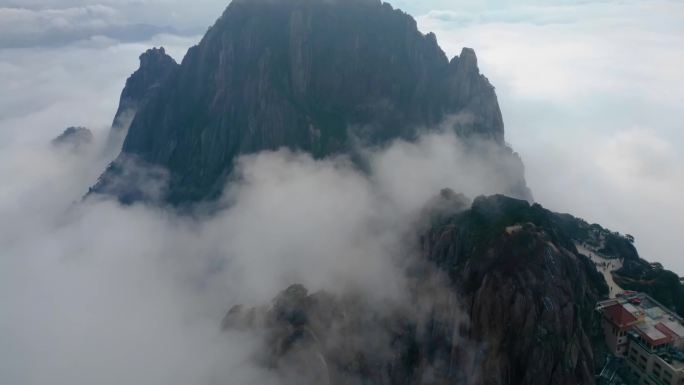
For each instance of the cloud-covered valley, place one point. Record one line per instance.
(96, 292)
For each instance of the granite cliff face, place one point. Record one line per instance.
(514, 305)
(155, 68)
(310, 75)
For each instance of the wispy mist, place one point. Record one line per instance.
(97, 292)
(590, 92)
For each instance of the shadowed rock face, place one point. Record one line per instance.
(155, 67)
(498, 294)
(311, 75)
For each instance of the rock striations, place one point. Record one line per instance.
(309, 75)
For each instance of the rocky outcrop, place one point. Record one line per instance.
(498, 295)
(155, 67)
(529, 293)
(310, 75)
(322, 338)
(74, 138)
(472, 95)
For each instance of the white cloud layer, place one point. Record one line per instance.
(95, 292)
(591, 94)
(28, 23)
(48, 89)
(98, 293)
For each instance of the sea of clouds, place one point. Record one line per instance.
(96, 292)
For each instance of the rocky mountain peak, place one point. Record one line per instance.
(155, 67)
(155, 58)
(73, 138)
(313, 2)
(467, 60)
(309, 75)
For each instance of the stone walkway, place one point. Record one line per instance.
(605, 266)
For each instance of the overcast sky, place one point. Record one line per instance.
(591, 92)
(99, 293)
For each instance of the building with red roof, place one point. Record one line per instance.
(648, 335)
